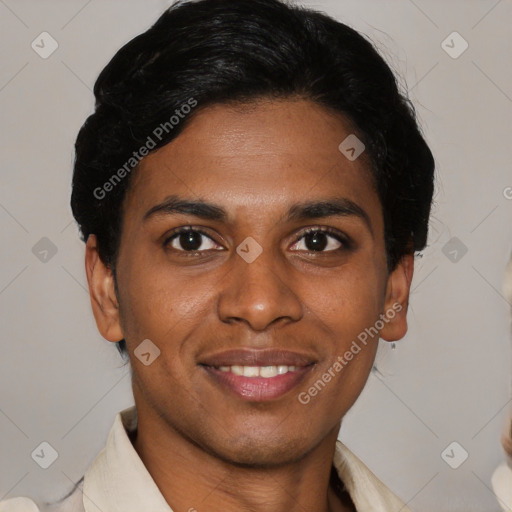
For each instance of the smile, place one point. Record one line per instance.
(266, 372)
(257, 375)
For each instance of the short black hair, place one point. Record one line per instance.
(205, 52)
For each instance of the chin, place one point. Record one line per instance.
(261, 451)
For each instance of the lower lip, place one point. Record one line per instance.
(259, 389)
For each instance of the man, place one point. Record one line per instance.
(251, 188)
(501, 479)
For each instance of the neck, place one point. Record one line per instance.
(190, 478)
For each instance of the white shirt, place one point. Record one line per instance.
(118, 481)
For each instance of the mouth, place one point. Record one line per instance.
(258, 375)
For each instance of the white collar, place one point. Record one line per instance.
(118, 481)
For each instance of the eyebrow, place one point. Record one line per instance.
(310, 210)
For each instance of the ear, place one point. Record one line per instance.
(397, 299)
(102, 291)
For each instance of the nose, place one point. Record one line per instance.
(259, 293)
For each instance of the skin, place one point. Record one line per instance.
(195, 438)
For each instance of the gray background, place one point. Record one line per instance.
(448, 380)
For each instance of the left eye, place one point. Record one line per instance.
(319, 240)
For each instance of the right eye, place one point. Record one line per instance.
(190, 239)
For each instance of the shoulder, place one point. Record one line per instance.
(367, 491)
(72, 502)
(18, 505)
(500, 481)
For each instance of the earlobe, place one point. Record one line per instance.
(104, 302)
(397, 299)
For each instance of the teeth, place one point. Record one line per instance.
(266, 372)
(251, 371)
(237, 370)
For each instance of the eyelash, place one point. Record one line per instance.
(334, 233)
(187, 229)
(341, 238)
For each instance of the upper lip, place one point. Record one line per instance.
(262, 357)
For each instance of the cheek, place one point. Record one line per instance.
(348, 302)
(163, 306)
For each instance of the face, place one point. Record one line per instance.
(252, 255)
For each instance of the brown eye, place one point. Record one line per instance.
(320, 240)
(190, 240)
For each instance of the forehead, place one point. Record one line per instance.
(258, 157)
